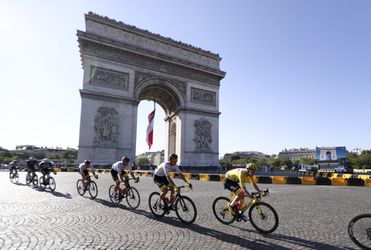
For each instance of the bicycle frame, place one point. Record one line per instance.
(176, 197)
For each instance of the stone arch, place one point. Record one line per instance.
(123, 65)
(161, 91)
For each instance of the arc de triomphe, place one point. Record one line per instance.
(124, 65)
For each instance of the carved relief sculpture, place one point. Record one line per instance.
(202, 134)
(108, 78)
(106, 126)
(203, 96)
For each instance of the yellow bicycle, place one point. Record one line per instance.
(261, 215)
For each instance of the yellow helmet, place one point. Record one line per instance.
(251, 166)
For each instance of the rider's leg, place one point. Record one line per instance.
(117, 187)
(239, 196)
(163, 193)
(84, 180)
(126, 183)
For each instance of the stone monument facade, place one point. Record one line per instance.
(123, 65)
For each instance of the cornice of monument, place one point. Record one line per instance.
(109, 49)
(106, 97)
(134, 29)
(198, 111)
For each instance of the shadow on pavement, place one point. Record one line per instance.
(236, 239)
(301, 242)
(109, 203)
(55, 193)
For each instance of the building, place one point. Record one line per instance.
(297, 154)
(255, 155)
(32, 149)
(155, 158)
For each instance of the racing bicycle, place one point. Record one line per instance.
(31, 179)
(131, 194)
(89, 186)
(14, 177)
(49, 182)
(359, 230)
(261, 215)
(184, 207)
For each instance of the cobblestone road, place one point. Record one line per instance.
(311, 217)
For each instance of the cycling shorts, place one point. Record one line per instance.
(31, 169)
(232, 186)
(45, 171)
(160, 181)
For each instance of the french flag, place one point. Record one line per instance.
(149, 139)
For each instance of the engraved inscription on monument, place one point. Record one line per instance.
(202, 134)
(109, 78)
(106, 126)
(203, 96)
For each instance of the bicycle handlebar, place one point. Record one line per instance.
(259, 194)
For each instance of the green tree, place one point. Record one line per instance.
(143, 161)
(70, 154)
(234, 157)
(262, 162)
(287, 162)
(308, 161)
(274, 161)
(5, 153)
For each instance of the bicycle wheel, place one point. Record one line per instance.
(80, 187)
(28, 179)
(133, 197)
(93, 189)
(156, 205)
(114, 196)
(34, 181)
(359, 230)
(185, 209)
(263, 217)
(52, 184)
(221, 211)
(41, 182)
(14, 178)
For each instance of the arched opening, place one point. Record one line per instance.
(159, 137)
(168, 100)
(163, 94)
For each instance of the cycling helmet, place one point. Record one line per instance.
(251, 166)
(173, 157)
(125, 159)
(87, 162)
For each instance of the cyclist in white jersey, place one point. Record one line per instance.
(84, 171)
(163, 180)
(121, 169)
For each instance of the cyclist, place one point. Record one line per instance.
(13, 166)
(84, 171)
(119, 169)
(235, 182)
(31, 163)
(163, 180)
(44, 168)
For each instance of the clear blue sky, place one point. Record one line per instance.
(298, 72)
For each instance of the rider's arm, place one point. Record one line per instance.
(243, 185)
(255, 186)
(171, 182)
(183, 178)
(121, 174)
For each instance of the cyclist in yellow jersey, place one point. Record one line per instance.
(235, 182)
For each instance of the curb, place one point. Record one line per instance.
(329, 180)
